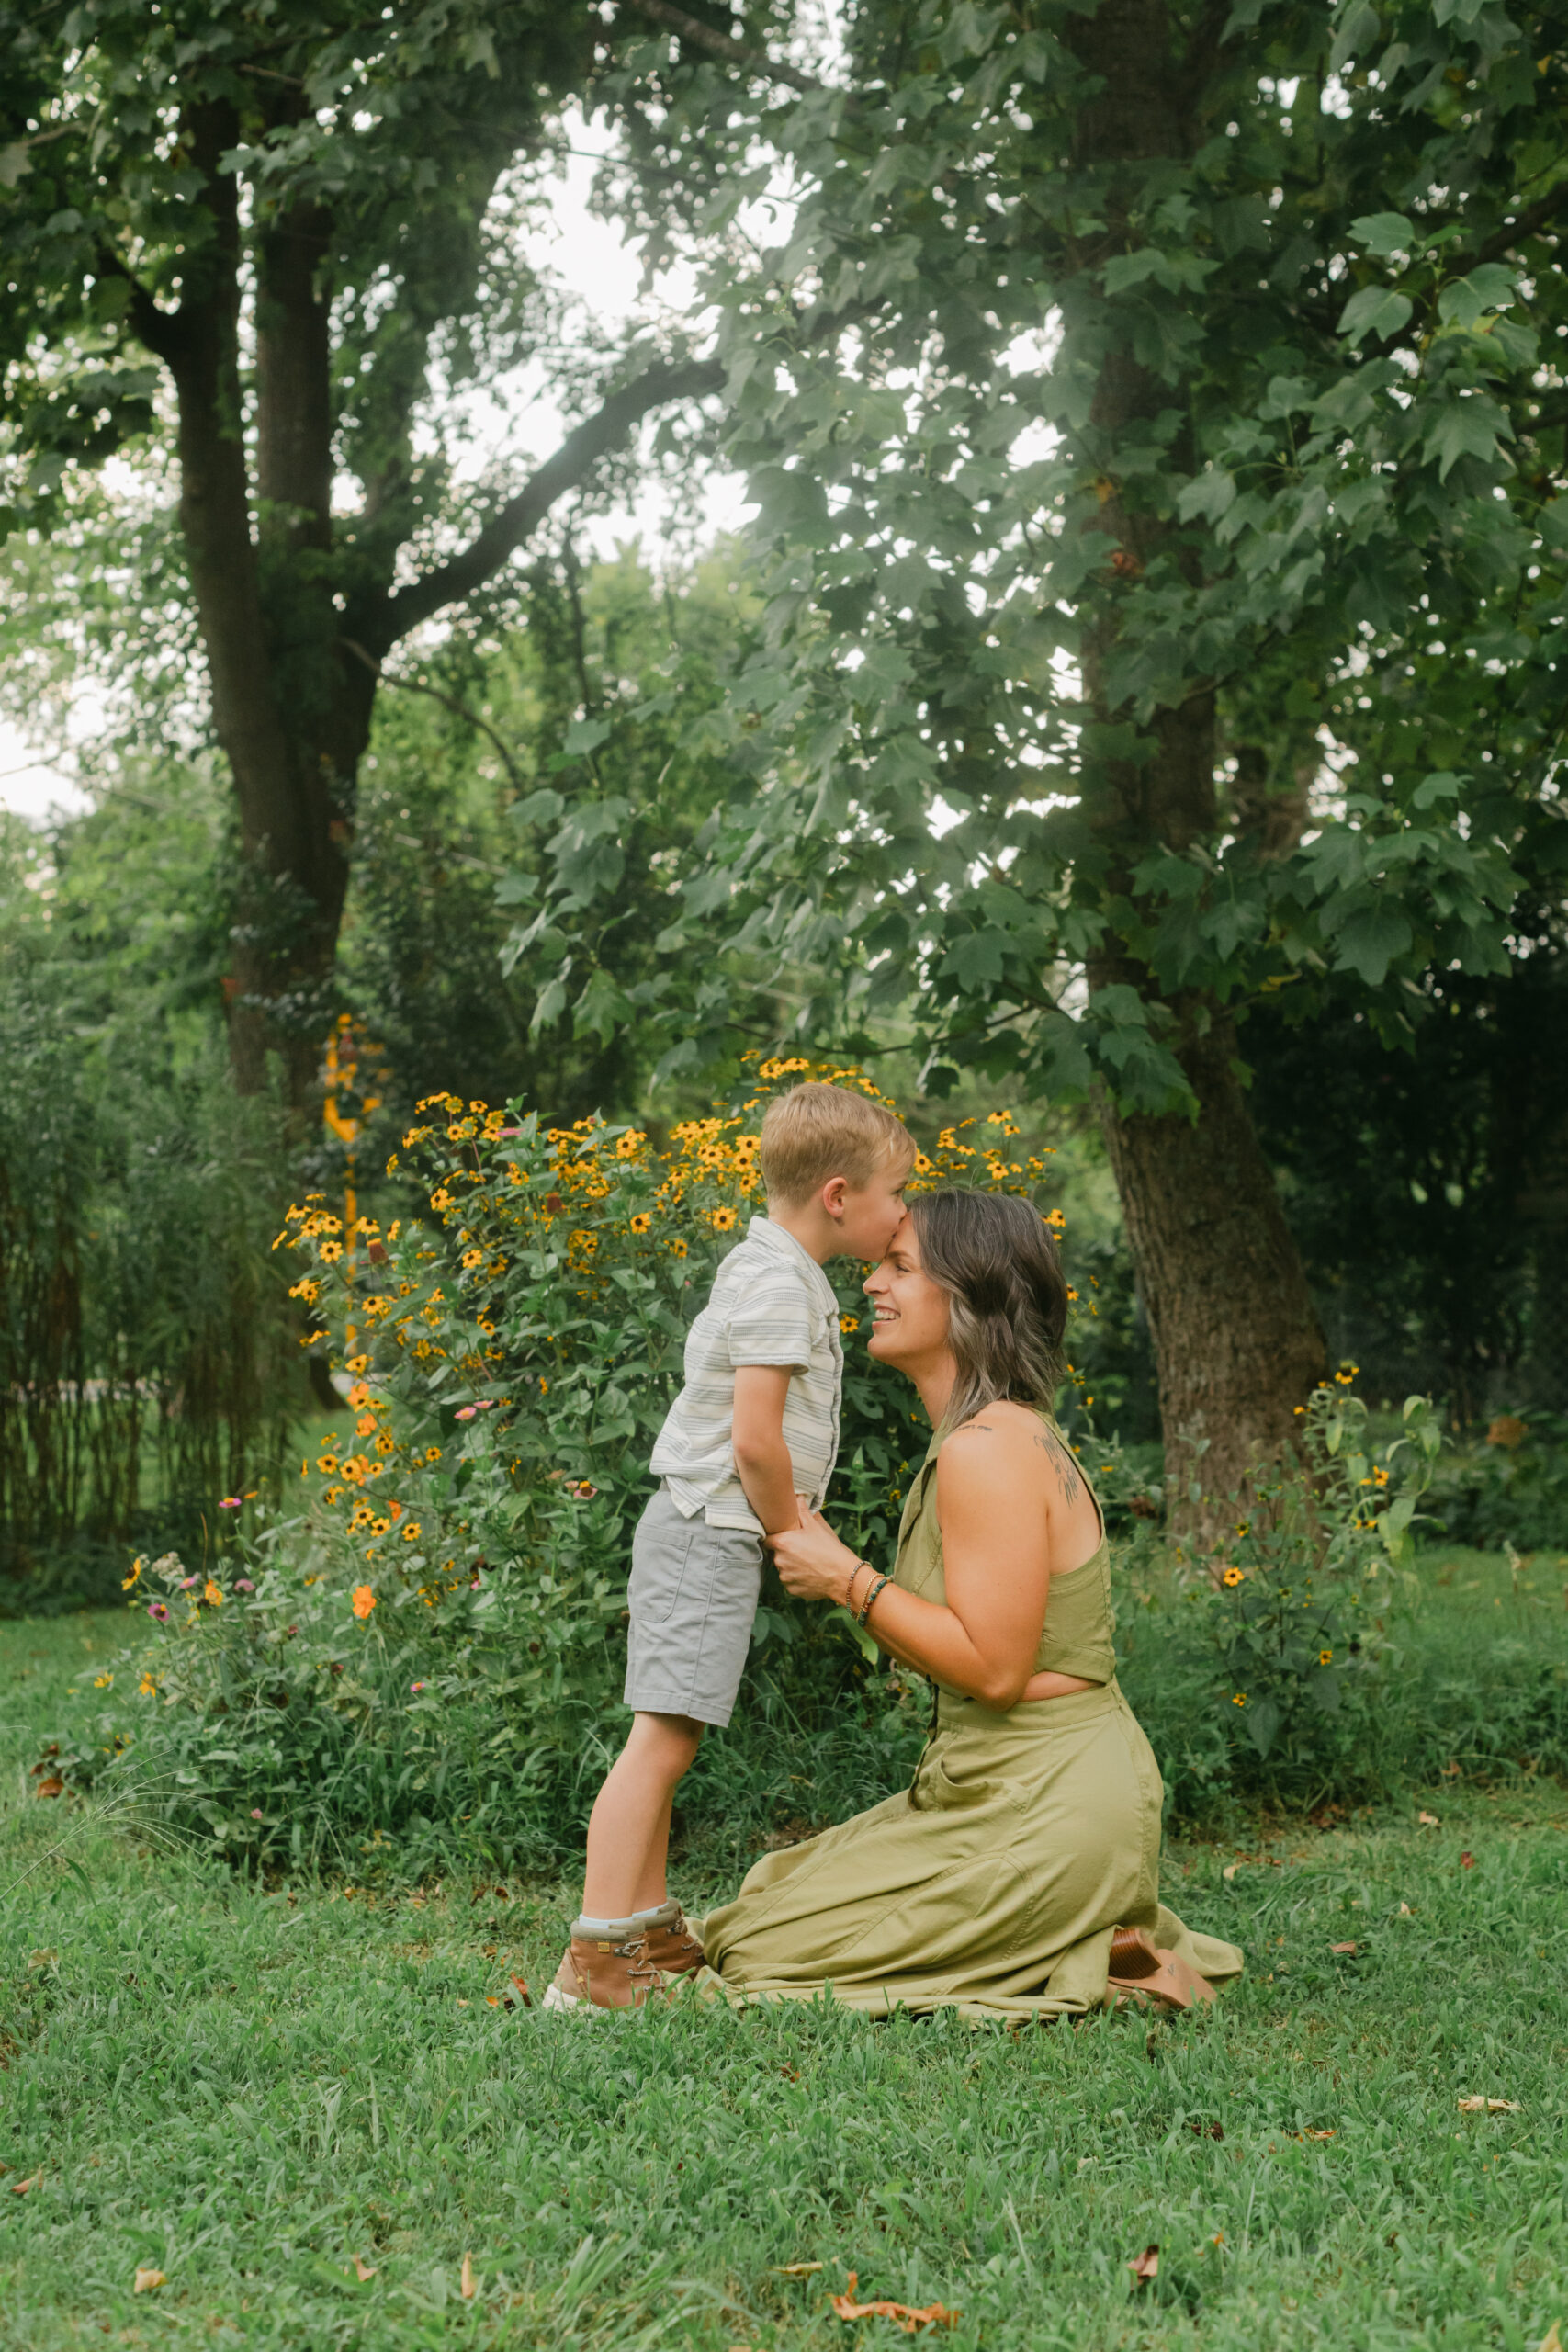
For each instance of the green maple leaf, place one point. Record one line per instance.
(1465, 428)
(1369, 941)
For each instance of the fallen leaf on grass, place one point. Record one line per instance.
(523, 1993)
(1550, 2340)
(1342, 1946)
(1256, 1862)
(145, 2280)
(797, 2269)
(1405, 1912)
(1489, 2106)
(933, 2314)
(1429, 1821)
(465, 2286)
(364, 2268)
(20, 2188)
(54, 1787)
(1467, 1862)
(1308, 2134)
(1146, 2265)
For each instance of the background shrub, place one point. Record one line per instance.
(432, 1646)
(426, 1656)
(1511, 1487)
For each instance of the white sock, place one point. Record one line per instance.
(631, 1925)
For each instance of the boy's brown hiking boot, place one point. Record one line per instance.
(632, 1964)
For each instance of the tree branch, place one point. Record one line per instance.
(447, 702)
(610, 425)
(1527, 223)
(160, 330)
(697, 35)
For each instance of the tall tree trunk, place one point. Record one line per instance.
(1236, 1338)
(1235, 1334)
(291, 715)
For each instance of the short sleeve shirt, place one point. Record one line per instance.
(771, 1304)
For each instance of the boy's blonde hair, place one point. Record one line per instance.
(816, 1132)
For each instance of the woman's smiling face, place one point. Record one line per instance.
(911, 1318)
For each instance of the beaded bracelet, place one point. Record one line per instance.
(850, 1595)
(871, 1596)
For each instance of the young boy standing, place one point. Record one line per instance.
(753, 1433)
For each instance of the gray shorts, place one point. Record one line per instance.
(693, 1597)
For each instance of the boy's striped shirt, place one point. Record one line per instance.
(771, 1304)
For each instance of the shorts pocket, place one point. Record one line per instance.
(660, 1557)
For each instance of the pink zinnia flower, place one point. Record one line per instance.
(188, 1584)
(158, 1609)
(243, 1584)
(231, 1502)
(257, 1814)
(466, 1412)
(419, 1686)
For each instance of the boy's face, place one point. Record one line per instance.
(868, 1216)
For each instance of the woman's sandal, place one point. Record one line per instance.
(1143, 1970)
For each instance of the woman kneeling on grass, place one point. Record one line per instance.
(1017, 1876)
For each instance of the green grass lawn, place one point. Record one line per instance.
(262, 2094)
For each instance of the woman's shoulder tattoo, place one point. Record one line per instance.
(1068, 1476)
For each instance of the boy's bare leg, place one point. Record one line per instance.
(628, 1831)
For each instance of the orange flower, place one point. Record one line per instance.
(364, 1600)
(212, 1594)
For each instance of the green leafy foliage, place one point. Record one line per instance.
(1510, 1488)
(1131, 433)
(146, 1363)
(1300, 1611)
(391, 134)
(436, 1647)
(427, 1659)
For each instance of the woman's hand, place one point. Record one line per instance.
(812, 1563)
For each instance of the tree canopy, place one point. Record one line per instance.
(1157, 420)
(298, 230)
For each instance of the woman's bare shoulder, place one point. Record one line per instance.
(1019, 1437)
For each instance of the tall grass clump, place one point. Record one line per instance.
(145, 1344)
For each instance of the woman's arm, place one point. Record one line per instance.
(992, 1503)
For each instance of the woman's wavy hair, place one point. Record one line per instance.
(996, 1258)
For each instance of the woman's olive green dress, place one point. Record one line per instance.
(993, 1883)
